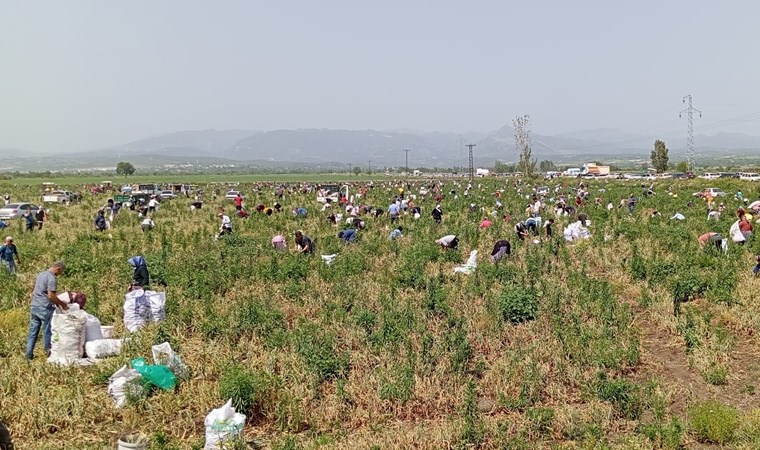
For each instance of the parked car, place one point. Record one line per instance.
(716, 192)
(59, 197)
(230, 195)
(710, 175)
(166, 195)
(749, 176)
(54, 197)
(16, 210)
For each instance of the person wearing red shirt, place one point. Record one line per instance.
(745, 226)
(238, 202)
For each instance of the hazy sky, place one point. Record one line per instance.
(77, 75)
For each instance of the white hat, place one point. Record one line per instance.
(678, 216)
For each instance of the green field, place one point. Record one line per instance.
(636, 338)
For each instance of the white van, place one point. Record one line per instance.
(573, 172)
(710, 175)
(749, 176)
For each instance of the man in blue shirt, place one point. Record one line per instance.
(348, 235)
(7, 252)
(29, 220)
(44, 301)
(100, 221)
(394, 210)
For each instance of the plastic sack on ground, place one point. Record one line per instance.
(329, 259)
(137, 310)
(165, 356)
(222, 426)
(67, 329)
(157, 375)
(102, 348)
(157, 302)
(92, 329)
(470, 265)
(576, 231)
(120, 382)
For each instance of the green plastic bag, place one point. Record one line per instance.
(157, 375)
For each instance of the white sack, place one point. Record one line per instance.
(92, 329)
(736, 233)
(137, 310)
(68, 329)
(164, 355)
(329, 259)
(470, 265)
(223, 425)
(117, 382)
(102, 348)
(157, 305)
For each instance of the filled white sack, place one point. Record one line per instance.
(223, 425)
(68, 332)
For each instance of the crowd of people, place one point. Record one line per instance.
(542, 211)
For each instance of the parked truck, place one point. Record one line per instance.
(148, 188)
(57, 197)
(593, 169)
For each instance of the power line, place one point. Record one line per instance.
(733, 120)
(690, 131)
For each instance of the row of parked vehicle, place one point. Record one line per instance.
(747, 176)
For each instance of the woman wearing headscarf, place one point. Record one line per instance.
(140, 276)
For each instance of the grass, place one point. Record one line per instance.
(564, 345)
(714, 422)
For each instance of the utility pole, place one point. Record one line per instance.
(406, 163)
(690, 156)
(369, 166)
(350, 169)
(472, 165)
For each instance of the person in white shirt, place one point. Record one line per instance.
(226, 227)
(147, 224)
(152, 204)
(449, 241)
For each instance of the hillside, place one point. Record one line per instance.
(336, 148)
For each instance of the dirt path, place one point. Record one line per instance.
(663, 355)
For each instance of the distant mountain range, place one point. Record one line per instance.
(327, 148)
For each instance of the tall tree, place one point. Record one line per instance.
(526, 164)
(125, 168)
(547, 165)
(682, 166)
(659, 156)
